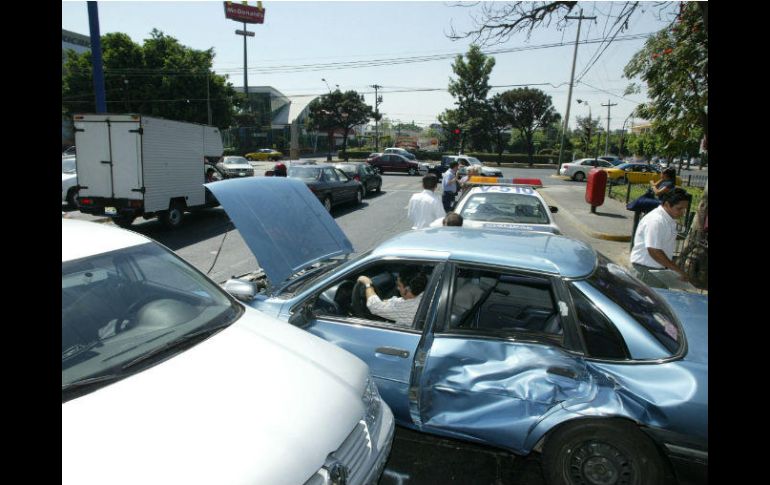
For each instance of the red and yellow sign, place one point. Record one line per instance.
(242, 12)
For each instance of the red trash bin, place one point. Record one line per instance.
(595, 188)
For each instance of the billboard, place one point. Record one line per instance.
(245, 13)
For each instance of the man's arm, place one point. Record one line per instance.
(660, 257)
(369, 288)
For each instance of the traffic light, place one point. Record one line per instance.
(456, 131)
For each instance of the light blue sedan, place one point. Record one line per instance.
(522, 340)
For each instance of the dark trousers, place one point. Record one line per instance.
(448, 199)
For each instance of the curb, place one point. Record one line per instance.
(588, 231)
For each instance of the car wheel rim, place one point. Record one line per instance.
(359, 197)
(596, 463)
(328, 204)
(174, 217)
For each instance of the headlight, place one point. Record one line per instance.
(372, 402)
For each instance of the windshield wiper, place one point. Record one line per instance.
(89, 381)
(184, 339)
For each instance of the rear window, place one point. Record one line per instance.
(639, 301)
(303, 173)
(504, 207)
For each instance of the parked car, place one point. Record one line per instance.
(619, 172)
(372, 156)
(362, 172)
(613, 159)
(162, 367)
(467, 161)
(235, 166)
(400, 151)
(69, 181)
(393, 162)
(330, 185)
(506, 206)
(578, 169)
(264, 154)
(522, 340)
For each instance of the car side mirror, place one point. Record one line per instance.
(302, 315)
(244, 291)
(553, 209)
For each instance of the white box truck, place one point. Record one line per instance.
(131, 165)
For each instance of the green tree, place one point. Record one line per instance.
(450, 121)
(159, 78)
(586, 129)
(499, 122)
(470, 91)
(528, 110)
(339, 111)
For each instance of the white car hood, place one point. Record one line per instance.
(259, 402)
(236, 166)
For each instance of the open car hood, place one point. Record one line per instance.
(282, 222)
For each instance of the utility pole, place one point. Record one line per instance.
(580, 19)
(377, 101)
(607, 143)
(245, 33)
(208, 95)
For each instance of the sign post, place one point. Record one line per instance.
(248, 15)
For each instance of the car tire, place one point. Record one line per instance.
(412, 171)
(359, 197)
(328, 203)
(173, 217)
(379, 187)
(579, 176)
(72, 198)
(377, 170)
(123, 221)
(607, 451)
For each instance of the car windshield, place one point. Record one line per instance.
(474, 161)
(506, 207)
(304, 173)
(136, 304)
(235, 160)
(639, 301)
(68, 165)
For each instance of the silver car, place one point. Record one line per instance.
(506, 206)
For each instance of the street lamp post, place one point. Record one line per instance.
(623, 133)
(590, 126)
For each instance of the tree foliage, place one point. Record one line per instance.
(674, 66)
(470, 91)
(160, 78)
(528, 110)
(339, 111)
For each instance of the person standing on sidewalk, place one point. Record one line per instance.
(665, 184)
(424, 207)
(655, 239)
(449, 184)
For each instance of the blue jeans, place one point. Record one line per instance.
(448, 199)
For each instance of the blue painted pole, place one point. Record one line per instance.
(96, 57)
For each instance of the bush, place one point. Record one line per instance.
(230, 152)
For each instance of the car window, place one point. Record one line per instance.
(504, 207)
(640, 301)
(496, 304)
(234, 160)
(128, 304)
(604, 163)
(366, 169)
(330, 175)
(347, 299)
(303, 173)
(602, 339)
(342, 176)
(348, 169)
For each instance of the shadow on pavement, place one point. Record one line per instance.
(197, 226)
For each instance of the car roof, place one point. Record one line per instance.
(81, 239)
(520, 249)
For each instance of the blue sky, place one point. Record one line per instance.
(320, 33)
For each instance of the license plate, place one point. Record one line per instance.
(110, 211)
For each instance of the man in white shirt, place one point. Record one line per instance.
(400, 309)
(449, 185)
(425, 207)
(655, 239)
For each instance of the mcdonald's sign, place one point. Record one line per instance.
(242, 12)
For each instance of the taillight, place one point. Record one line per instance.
(357, 178)
(85, 201)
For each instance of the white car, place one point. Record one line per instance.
(168, 379)
(236, 167)
(69, 181)
(505, 206)
(578, 169)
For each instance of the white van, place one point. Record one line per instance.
(167, 379)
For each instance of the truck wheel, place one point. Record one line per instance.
(123, 221)
(72, 200)
(606, 452)
(172, 218)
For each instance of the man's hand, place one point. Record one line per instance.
(364, 280)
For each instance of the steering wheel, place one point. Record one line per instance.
(358, 302)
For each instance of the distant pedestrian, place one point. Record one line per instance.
(655, 239)
(665, 184)
(453, 219)
(424, 207)
(449, 185)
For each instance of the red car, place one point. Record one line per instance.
(392, 162)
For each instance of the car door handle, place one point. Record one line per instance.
(562, 371)
(393, 351)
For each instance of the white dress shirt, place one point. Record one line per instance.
(398, 309)
(656, 230)
(424, 208)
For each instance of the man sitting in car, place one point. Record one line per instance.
(400, 309)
